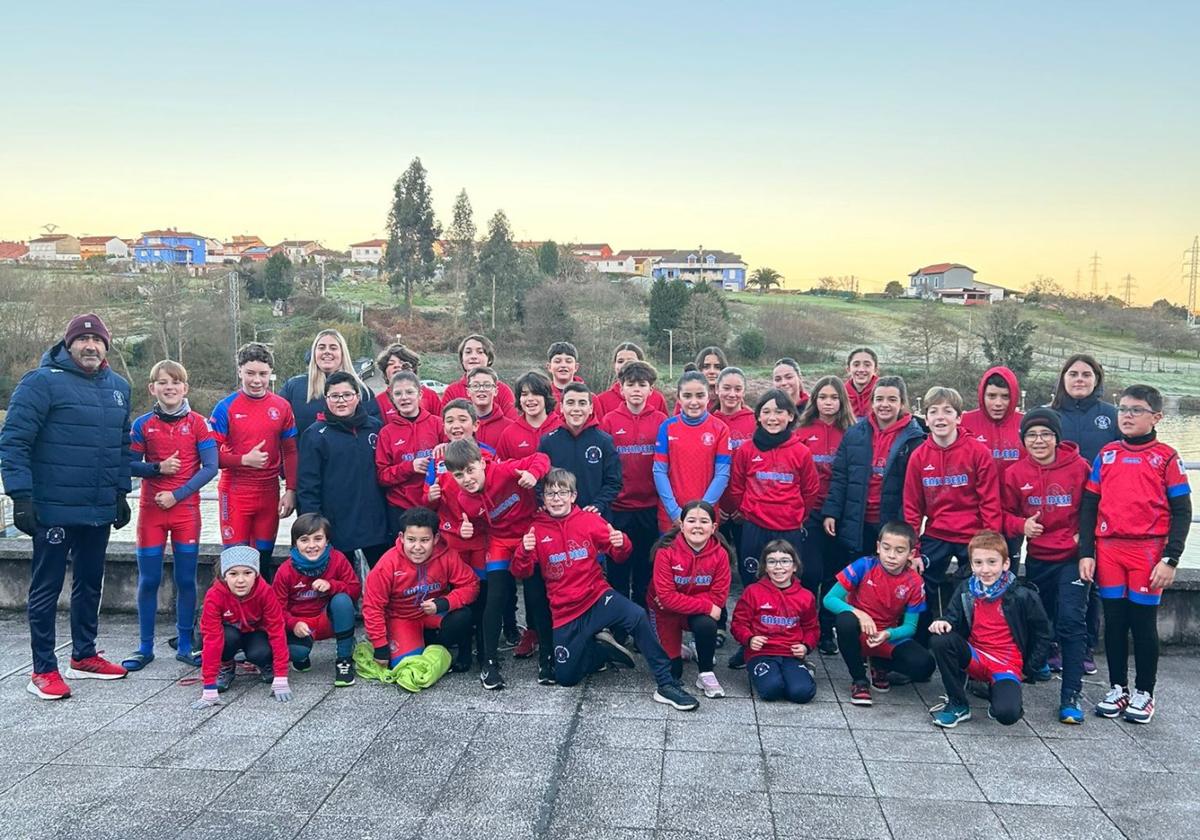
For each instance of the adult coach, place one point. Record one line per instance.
(64, 458)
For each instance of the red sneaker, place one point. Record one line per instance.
(48, 686)
(95, 668)
(527, 645)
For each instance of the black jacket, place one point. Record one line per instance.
(593, 458)
(1022, 610)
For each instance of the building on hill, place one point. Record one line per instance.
(255, 253)
(644, 260)
(597, 249)
(325, 255)
(614, 264)
(954, 283)
(171, 247)
(242, 243)
(54, 247)
(103, 246)
(370, 251)
(11, 252)
(297, 250)
(720, 269)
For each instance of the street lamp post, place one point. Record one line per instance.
(670, 352)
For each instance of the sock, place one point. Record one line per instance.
(150, 563)
(186, 558)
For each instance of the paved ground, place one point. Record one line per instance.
(129, 760)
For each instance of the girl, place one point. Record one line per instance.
(317, 587)
(711, 361)
(306, 391)
(603, 403)
(478, 351)
(393, 359)
(867, 485)
(691, 454)
(537, 417)
(822, 424)
(776, 622)
(405, 446)
(688, 590)
(862, 369)
(786, 376)
(732, 411)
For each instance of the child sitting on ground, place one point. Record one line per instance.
(317, 587)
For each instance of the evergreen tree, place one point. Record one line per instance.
(498, 262)
(547, 258)
(277, 277)
(668, 298)
(1007, 338)
(412, 230)
(461, 233)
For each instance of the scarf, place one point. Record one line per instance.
(765, 441)
(310, 568)
(996, 590)
(183, 411)
(350, 424)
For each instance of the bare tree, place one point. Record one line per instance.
(925, 335)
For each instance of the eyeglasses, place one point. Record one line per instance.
(780, 561)
(556, 494)
(1133, 410)
(1040, 436)
(481, 386)
(340, 397)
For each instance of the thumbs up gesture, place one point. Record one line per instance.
(529, 541)
(1033, 528)
(615, 538)
(466, 530)
(169, 465)
(256, 458)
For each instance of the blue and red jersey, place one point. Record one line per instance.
(692, 460)
(997, 650)
(239, 423)
(634, 436)
(154, 438)
(822, 440)
(954, 488)
(1136, 483)
(887, 598)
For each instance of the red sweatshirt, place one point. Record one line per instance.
(458, 391)
(449, 509)
(775, 489)
(1055, 491)
(822, 440)
(397, 586)
(860, 401)
(566, 552)
(1002, 438)
(259, 610)
(690, 582)
(401, 441)
(297, 597)
(954, 489)
(607, 401)
(881, 448)
(785, 616)
(508, 506)
(634, 436)
(491, 428)
(521, 439)
(430, 402)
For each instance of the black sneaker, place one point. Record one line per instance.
(266, 675)
(462, 663)
(613, 651)
(545, 673)
(511, 637)
(721, 637)
(827, 646)
(490, 677)
(343, 673)
(737, 662)
(303, 665)
(673, 695)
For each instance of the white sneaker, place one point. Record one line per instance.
(1140, 708)
(707, 682)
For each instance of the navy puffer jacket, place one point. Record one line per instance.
(65, 441)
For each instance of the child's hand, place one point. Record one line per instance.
(526, 479)
(1033, 528)
(1162, 575)
(466, 530)
(592, 509)
(714, 612)
(830, 526)
(321, 585)
(866, 623)
(529, 541)
(435, 492)
(939, 627)
(429, 608)
(256, 458)
(165, 499)
(169, 465)
(876, 639)
(1087, 569)
(287, 503)
(616, 538)
(301, 630)
(279, 687)
(439, 451)
(918, 561)
(208, 698)
(799, 650)
(420, 465)
(757, 642)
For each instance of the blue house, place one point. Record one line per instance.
(717, 268)
(170, 247)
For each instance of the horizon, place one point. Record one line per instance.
(819, 142)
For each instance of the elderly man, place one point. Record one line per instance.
(64, 458)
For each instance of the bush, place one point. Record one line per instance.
(751, 344)
(548, 317)
(809, 336)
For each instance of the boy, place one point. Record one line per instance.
(563, 542)
(633, 426)
(419, 593)
(1041, 496)
(536, 417)
(175, 455)
(493, 420)
(1137, 511)
(994, 630)
(256, 433)
(951, 486)
(242, 613)
(562, 363)
(405, 447)
(474, 351)
(502, 494)
(996, 424)
(587, 452)
(876, 602)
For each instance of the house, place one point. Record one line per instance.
(324, 255)
(930, 280)
(599, 249)
(102, 246)
(370, 251)
(721, 269)
(643, 261)
(215, 253)
(614, 264)
(11, 252)
(241, 243)
(54, 247)
(171, 247)
(965, 297)
(297, 250)
(255, 253)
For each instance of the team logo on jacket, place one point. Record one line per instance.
(902, 591)
(561, 654)
(227, 532)
(118, 397)
(751, 566)
(185, 429)
(273, 413)
(1109, 457)
(55, 536)
(592, 454)
(1156, 460)
(620, 432)
(708, 438)
(1026, 486)
(1103, 422)
(372, 439)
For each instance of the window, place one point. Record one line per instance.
(710, 259)
(691, 259)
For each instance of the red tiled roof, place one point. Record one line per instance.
(13, 250)
(590, 246)
(642, 254)
(370, 243)
(96, 240)
(940, 268)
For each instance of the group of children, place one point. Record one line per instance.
(840, 510)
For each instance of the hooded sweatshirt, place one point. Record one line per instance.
(457, 390)
(608, 401)
(1055, 492)
(882, 441)
(403, 440)
(592, 458)
(300, 602)
(954, 488)
(690, 582)
(822, 440)
(259, 610)
(507, 507)
(566, 550)
(430, 402)
(785, 616)
(491, 428)
(1001, 437)
(860, 401)
(521, 439)
(634, 436)
(777, 488)
(397, 586)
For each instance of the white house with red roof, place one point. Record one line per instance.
(54, 247)
(370, 251)
(103, 246)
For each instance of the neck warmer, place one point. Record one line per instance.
(310, 568)
(354, 421)
(183, 411)
(996, 590)
(765, 441)
(1142, 440)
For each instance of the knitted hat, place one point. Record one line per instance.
(239, 555)
(84, 324)
(1046, 417)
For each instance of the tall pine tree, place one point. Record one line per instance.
(497, 269)
(412, 230)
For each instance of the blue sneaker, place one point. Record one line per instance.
(948, 716)
(1071, 711)
(1041, 675)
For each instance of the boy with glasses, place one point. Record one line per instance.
(482, 384)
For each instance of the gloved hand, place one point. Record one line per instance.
(208, 699)
(23, 515)
(279, 687)
(123, 513)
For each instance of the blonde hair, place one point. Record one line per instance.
(939, 394)
(171, 368)
(316, 376)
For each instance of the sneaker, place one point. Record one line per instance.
(343, 673)
(545, 673)
(48, 686)
(828, 646)
(527, 645)
(1114, 703)
(1055, 660)
(880, 681)
(687, 652)
(1140, 708)
(302, 665)
(979, 689)
(266, 675)
(95, 668)
(226, 675)
(737, 662)
(1089, 664)
(673, 695)
(615, 653)
(720, 639)
(860, 694)
(1041, 675)
(707, 682)
(1071, 711)
(948, 716)
(511, 637)
(490, 677)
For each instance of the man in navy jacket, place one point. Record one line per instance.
(64, 459)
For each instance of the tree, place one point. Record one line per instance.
(751, 344)
(1006, 338)
(1165, 309)
(548, 316)
(277, 277)
(894, 289)
(765, 278)
(250, 278)
(547, 258)
(705, 321)
(667, 301)
(497, 268)
(461, 234)
(924, 334)
(412, 230)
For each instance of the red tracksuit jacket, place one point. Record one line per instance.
(1055, 491)
(607, 401)
(458, 391)
(955, 490)
(259, 610)
(401, 441)
(300, 601)
(508, 506)
(566, 552)
(449, 509)
(520, 439)
(397, 586)
(634, 436)
(860, 401)
(491, 428)
(822, 440)
(688, 582)
(1003, 438)
(785, 616)
(430, 402)
(775, 489)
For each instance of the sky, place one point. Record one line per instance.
(863, 139)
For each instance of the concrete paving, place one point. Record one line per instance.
(129, 759)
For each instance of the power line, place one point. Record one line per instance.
(1095, 273)
(1129, 287)
(1192, 272)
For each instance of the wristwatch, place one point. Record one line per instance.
(1173, 562)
